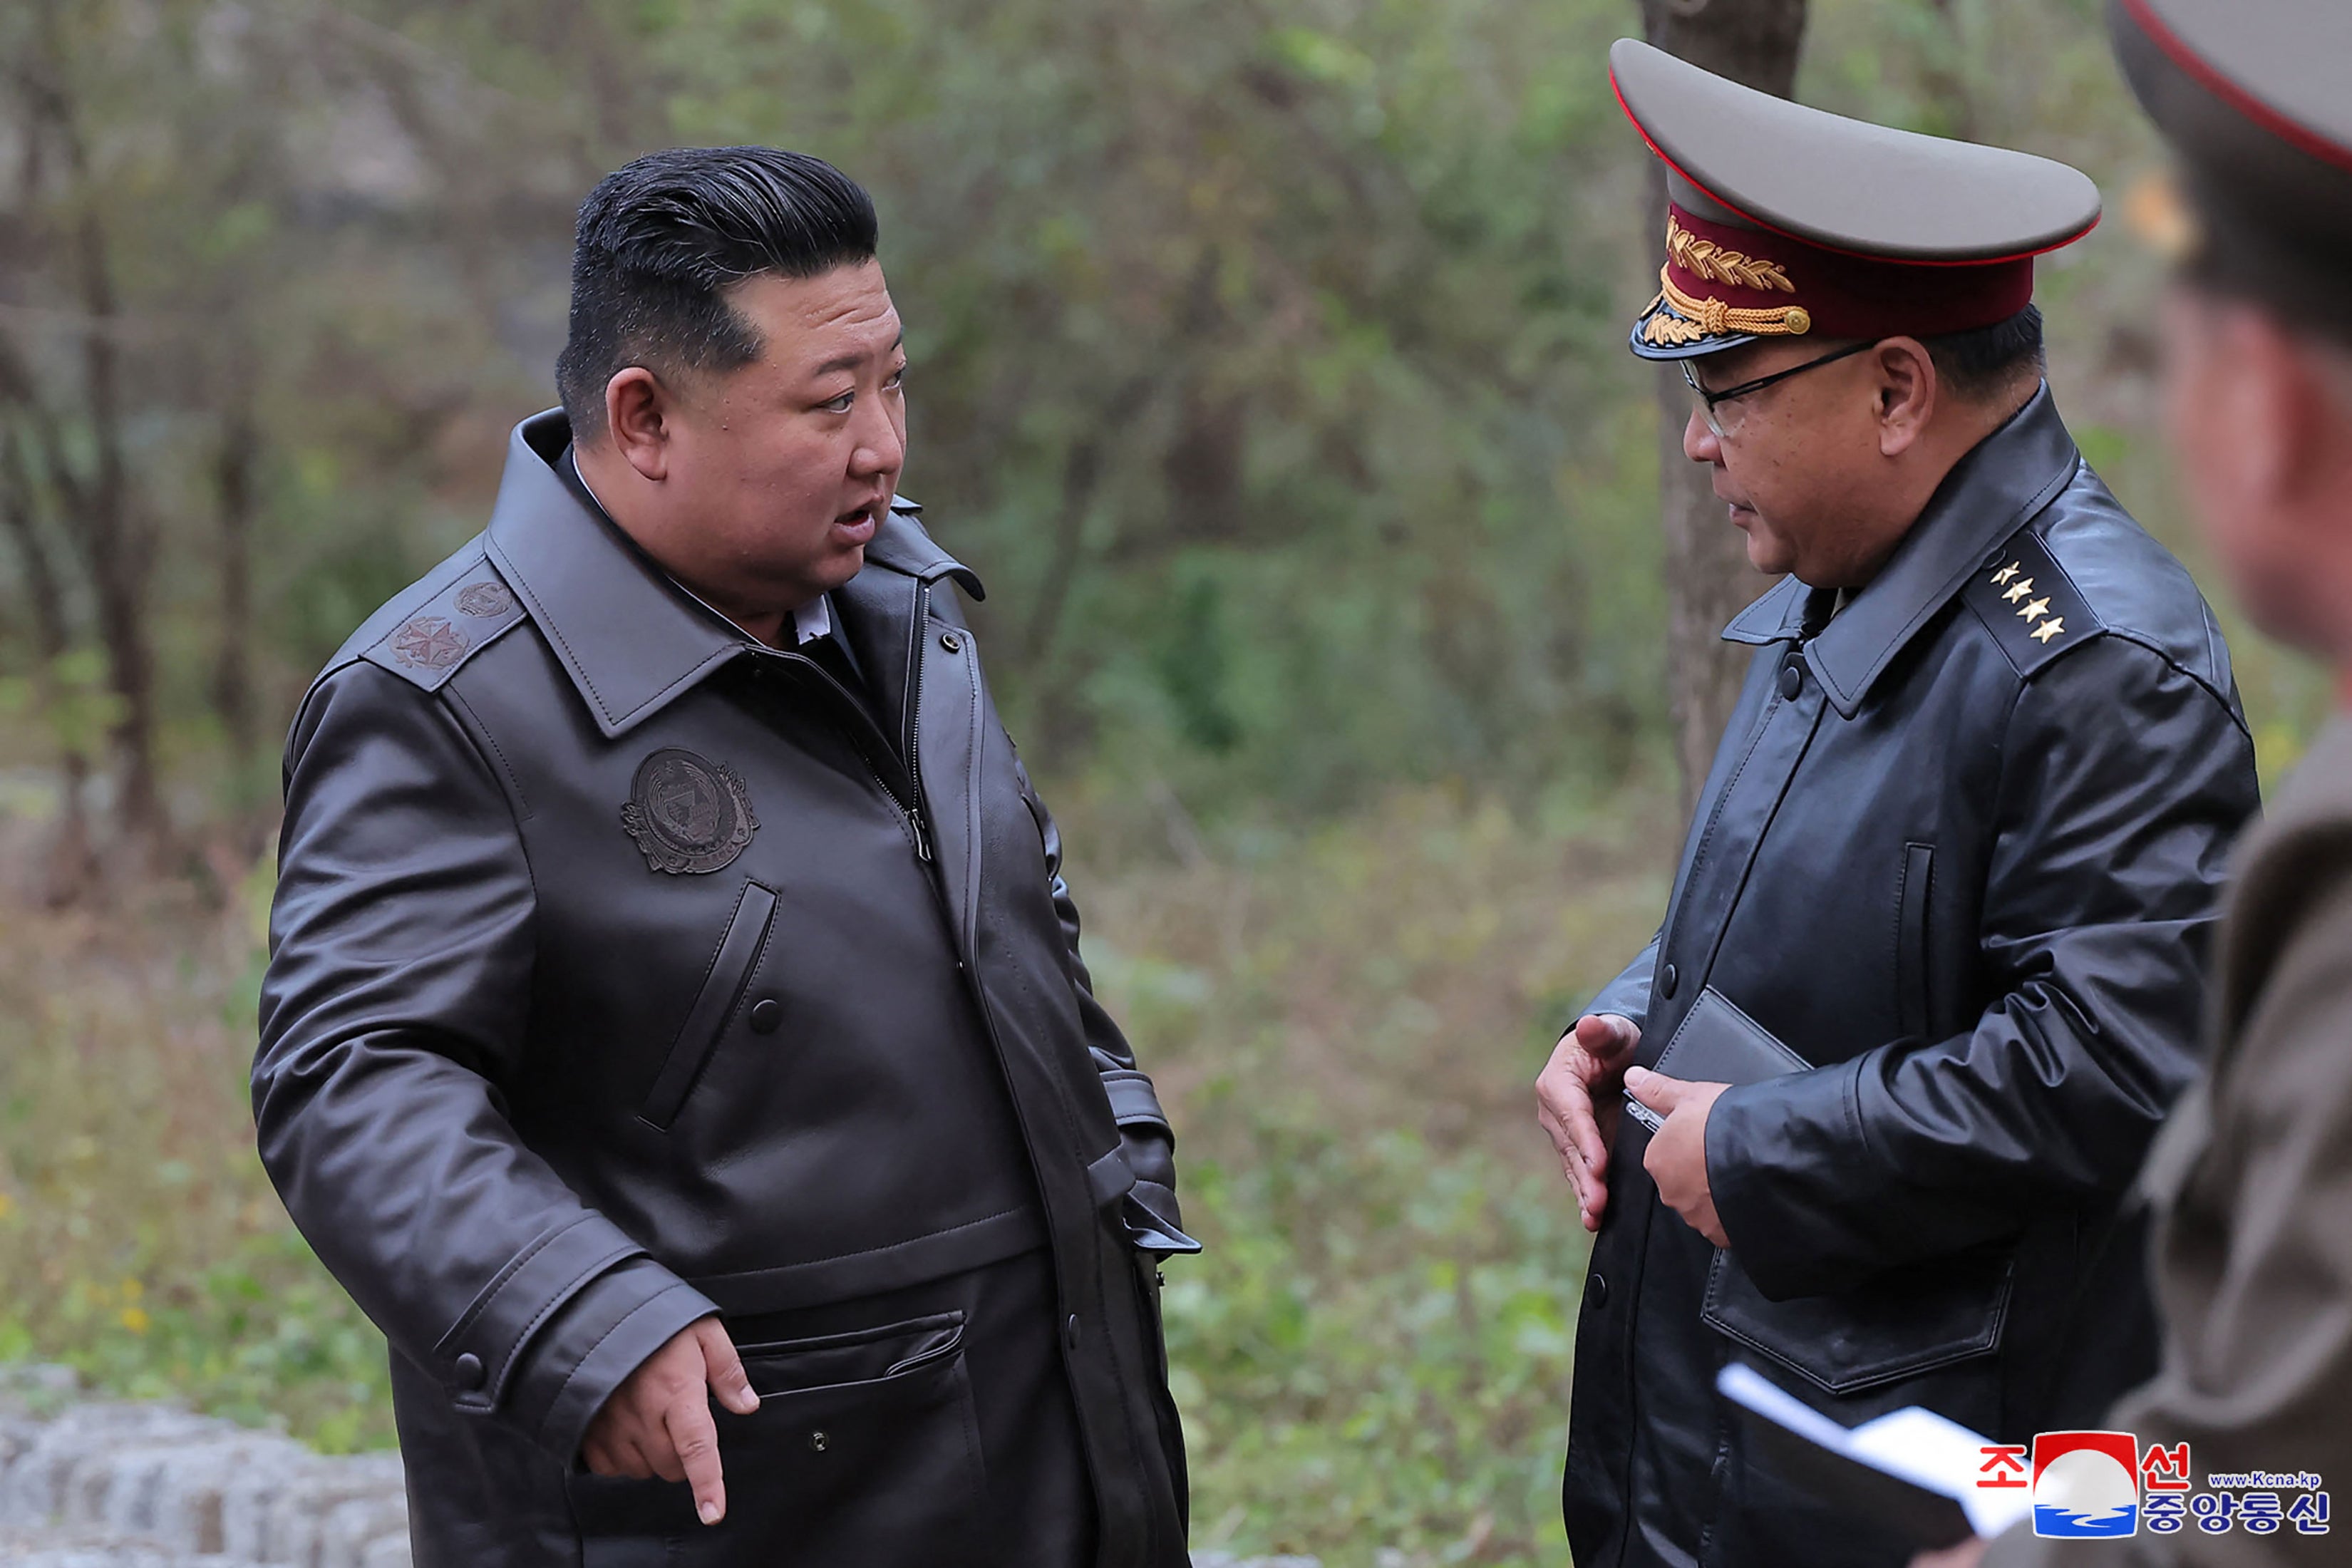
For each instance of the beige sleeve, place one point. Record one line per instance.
(2255, 1272)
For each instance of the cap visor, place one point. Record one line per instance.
(1677, 344)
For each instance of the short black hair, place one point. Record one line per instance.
(1984, 361)
(662, 238)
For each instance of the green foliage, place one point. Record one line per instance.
(1374, 1351)
(264, 1337)
(1281, 337)
(1267, 360)
(139, 1242)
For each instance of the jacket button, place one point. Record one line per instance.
(951, 642)
(1668, 979)
(469, 1372)
(1596, 1292)
(1070, 1332)
(1793, 679)
(766, 1013)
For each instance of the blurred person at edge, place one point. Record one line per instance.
(1958, 851)
(2251, 1181)
(674, 1036)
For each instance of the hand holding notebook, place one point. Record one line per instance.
(1718, 1043)
(1716, 1046)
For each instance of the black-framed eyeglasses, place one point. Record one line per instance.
(1709, 401)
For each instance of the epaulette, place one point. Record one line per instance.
(2030, 604)
(466, 616)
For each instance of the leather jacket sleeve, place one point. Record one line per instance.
(394, 1007)
(1628, 995)
(1147, 1140)
(2122, 780)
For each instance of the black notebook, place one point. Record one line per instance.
(1718, 1043)
(1911, 1471)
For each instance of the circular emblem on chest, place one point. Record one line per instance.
(687, 813)
(483, 599)
(429, 642)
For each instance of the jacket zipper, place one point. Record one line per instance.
(1021, 1111)
(911, 809)
(914, 717)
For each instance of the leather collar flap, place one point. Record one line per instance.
(1990, 494)
(632, 639)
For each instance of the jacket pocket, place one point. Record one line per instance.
(714, 1004)
(1902, 1323)
(865, 1451)
(1911, 895)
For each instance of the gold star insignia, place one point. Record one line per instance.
(2048, 629)
(2019, 589)
(2036, 610)
(2005, 572)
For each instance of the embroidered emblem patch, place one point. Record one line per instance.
(482, 600)
(429, 642)
(688, 814)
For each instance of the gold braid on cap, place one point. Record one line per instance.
(1705, 259)
(1713, 318)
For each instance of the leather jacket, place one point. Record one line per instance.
(624, 970)
(1960, 849)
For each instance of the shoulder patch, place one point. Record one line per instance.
(466, 616)
(2030, 604)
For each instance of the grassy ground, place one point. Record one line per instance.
(1373, 1353)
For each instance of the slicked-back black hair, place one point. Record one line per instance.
(660, 239)
(1984, 361)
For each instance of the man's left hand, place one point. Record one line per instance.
(1967, 1554)
(1676, 1159)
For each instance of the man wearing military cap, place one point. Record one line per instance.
(1937, 919)
(2249, 1181)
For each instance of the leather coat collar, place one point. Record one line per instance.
(1990, 494)
(632, 639)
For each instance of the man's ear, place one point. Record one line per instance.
(638, 413)
(1908, 393)
(2310, 407)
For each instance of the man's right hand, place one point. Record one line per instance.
(1578, 1100)
(657, 1423)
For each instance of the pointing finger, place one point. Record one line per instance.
(696, 1439)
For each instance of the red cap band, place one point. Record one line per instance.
(1756, 281)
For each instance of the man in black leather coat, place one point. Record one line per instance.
(1958, 851)
(673, 991)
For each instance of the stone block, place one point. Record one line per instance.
(350, 1528)
(391, 1551)
(67, 1471)
(191, 1495)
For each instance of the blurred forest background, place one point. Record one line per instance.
(1267, 363)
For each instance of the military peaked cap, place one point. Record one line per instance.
(2255, 96)
(1785, 220)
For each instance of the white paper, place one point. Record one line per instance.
(1914, 1444)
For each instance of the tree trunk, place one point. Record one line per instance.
(119, 554)
(1709, 579)
(71, 864)
(233, 656)
(117, 548)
